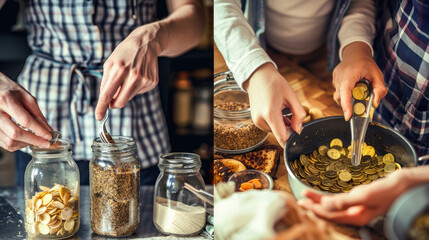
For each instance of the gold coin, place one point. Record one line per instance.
(303, 159)
(345, 176)
(333, 154)
(331, 174)
(366, 181)
(373, 176)
(368, 151)
(327, 182)
(370, 171)
(339, 166)
(359, 93)
(388, 158)
(322, 150)
(336, 142)
(359, 108)
(363, 86)
(398, 166)
(390, 167)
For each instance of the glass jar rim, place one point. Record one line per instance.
(61, 146)
(229, 84)
(180, 161)
(122, 144)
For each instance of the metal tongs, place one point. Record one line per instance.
(201, 194)
(359, 123)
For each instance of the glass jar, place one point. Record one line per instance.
(114, 173)
(176, 210)
(51, 190)
(234, 130)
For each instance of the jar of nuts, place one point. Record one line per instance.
(51, 190)
(114, 173)
(234, 131)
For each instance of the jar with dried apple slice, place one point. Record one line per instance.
(52, 192)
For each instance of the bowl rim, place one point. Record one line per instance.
(294, 134)
(268, 177)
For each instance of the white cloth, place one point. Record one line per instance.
(249, 215)
(240, 47)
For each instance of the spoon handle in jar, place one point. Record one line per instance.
(201, 194)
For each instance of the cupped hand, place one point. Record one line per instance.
(362, 204)
(269, 93)
(17, 103)
(357, 63)
(131, 69)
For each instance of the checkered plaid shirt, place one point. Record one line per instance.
(70, 42)
(402, 53)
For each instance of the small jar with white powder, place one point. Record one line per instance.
(176, 210)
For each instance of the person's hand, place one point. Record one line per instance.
(131, 69)
(269, 93)
(362, 204)
(17, 103)
(357, 64)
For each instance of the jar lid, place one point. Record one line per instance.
(61, 146)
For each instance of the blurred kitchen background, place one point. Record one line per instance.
(185, 85)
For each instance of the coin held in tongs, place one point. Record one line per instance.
(361, 101)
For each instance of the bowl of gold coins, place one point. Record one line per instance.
(319, 158)
(408, 218)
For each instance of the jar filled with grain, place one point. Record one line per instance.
(234, 130)
(51, 191)
(114, 187)
(176, 210)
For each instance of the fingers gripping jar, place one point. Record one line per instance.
(51, 189)
(234, 130)
(177, 211)
(115, 187)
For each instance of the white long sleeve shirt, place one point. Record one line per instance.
(293, 26)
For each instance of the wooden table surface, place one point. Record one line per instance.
(314, 92)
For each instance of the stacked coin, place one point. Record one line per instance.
(54, 211)
(360, 93)
(330, 168)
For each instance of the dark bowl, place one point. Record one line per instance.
(323, 130)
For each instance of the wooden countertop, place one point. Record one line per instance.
(314, 90)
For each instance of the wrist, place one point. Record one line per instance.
(149, 34)
(260, 73)
(356, 50)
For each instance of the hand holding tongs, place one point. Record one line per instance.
(360, 118)
(201, 194)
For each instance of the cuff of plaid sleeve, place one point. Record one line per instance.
(248, 64)
(352, 40)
